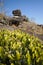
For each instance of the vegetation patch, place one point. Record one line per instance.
(19, 48)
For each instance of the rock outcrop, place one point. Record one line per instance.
(16, 12)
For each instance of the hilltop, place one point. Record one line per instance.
(19, 21)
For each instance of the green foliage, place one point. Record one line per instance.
(19, 48)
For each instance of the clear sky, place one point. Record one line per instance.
(33, 9)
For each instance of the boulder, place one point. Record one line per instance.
(16, 12)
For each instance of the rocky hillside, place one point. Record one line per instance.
(21, 22)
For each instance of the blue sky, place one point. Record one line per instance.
(33, 9)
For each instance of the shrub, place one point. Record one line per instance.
(19, 48)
